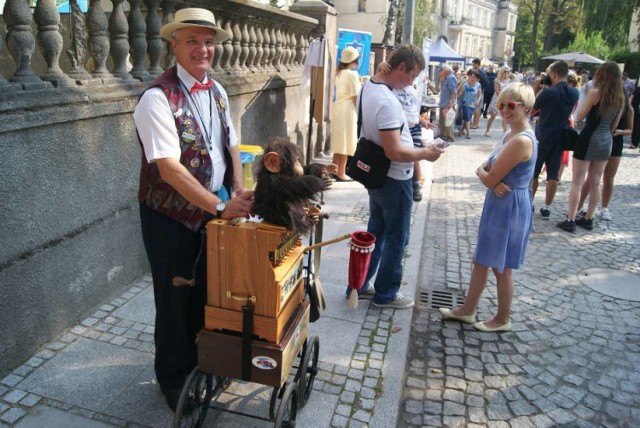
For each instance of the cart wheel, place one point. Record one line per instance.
(272, 403)
(307, 370)
(194, 399)
(288, 408)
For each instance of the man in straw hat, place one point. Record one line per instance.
(191, 171)
(384, 123)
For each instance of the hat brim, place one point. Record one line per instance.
(168, 29)
(347, 60)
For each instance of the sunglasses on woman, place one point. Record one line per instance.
(511, 105)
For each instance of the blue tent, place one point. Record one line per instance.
(441, 52)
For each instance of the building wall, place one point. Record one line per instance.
(372, 19)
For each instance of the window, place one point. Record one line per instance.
(362, 5)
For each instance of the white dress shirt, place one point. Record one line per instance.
(157, 128)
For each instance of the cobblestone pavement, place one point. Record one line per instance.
(573, 356)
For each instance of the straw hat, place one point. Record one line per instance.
(349, 55)
(194, 17)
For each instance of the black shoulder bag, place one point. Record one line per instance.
(368, 165)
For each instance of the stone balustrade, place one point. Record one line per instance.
(124, 45)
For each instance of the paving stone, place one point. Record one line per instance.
(11, 380)
(453, 395)
(343, 410)
(413, 407)
(521, 408)
(30, 400)
(362, 416)
(561, 416)
(498, 412)
(339, 421)
(14, 396)
(12, 415)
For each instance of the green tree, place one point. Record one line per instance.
(612, 19)
(423, 24)
(593, 44)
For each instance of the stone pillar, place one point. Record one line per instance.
(168, 11)
(138, 40)
(98, 40)
(227, 46)
(77, 52)
(21, 43)
(244, 44)
(119, 29)
(50, 41)
(154, 41)
(328, 28)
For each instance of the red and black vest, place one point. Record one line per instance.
(158, 194)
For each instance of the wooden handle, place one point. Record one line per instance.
(329, 242)
(251, 299)
(179, 281)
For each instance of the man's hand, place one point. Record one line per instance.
(384, 68)
(433, 152)
(240, 205)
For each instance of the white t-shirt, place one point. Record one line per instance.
(382, 111)
(159, 135)
(408, 97)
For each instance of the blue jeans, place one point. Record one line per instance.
(390, 221)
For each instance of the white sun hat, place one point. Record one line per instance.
(194, 17)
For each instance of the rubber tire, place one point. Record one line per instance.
(200, 385)
(306, 373)
(288, 408)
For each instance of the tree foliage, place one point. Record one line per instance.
(423, 24)
(592, 44)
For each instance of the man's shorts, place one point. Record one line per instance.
(549, 153)
(467, 113)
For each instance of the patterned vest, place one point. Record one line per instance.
(158, 194)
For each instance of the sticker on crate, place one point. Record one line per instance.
(264, 363)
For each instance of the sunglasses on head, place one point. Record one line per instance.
(511, 105)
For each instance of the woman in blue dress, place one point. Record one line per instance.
(507, 213)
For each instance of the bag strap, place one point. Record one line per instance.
(360, 111)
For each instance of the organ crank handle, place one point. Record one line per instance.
(323, 243)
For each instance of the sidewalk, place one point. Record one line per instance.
(573, 355)
(99, 373)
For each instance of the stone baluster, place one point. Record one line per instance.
(98, 39)
(284, 55)
(168, 11)
(21, 43)
(227, 47)
(217, 56)
(50, 41)
(244, 44)
(266, 59)
(277, 58)
(297, 48)
(259, 51)
(305, 47)
(300, 49)
(154, 41)
(253, 51)
(119, 29)
(272, 47)
(77, 52)
(237, 49)
(138, 38)
(292, 48)
(288, 60)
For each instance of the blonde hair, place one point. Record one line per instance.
(518, 92)
(502, 71)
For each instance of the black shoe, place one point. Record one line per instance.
(545, 213)
(171, 395)
(584, 223)
(567, 225)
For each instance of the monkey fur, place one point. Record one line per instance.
(283, 191)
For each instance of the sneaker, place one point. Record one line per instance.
(417, 191)
(584, 223)
(605, 214)
(581, 213)
(567, 225)
(545, 213)
(399, 302)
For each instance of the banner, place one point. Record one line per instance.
(359, 40)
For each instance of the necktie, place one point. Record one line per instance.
(198, 86)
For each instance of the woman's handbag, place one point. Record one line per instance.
(569, 138)
(368, 165)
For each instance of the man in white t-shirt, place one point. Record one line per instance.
(384, 123)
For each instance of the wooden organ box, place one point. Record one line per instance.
(258, 261)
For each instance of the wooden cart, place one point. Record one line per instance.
(256, 321)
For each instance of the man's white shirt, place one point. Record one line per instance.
(159, 135)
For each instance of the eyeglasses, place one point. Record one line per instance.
(511, 105)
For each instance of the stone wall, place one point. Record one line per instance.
(69, 163)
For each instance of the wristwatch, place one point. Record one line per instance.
(220, 206)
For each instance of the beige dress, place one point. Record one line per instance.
(344, 119)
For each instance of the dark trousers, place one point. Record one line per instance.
(487, 100)
(172, 250)
(635, 136)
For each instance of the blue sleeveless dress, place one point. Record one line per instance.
(506, 222)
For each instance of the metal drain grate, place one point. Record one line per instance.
(435, 299)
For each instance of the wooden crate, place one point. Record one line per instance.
(239, 266)
(220, 353)
(267, 328)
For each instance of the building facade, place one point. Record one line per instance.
(474, 28)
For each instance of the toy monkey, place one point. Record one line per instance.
(283, 192)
